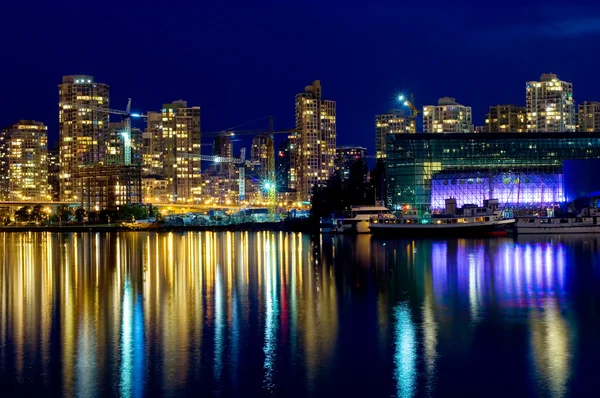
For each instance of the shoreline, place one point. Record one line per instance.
(295, 226)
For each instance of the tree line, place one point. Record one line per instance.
(63, 214)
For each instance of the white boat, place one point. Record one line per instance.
(473, 221)
(356, 220)
(588, 222)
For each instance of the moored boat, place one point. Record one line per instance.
(356, 220)
(468, 221)
(587, 222)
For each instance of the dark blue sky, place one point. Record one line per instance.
(241, 60)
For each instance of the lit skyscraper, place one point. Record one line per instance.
(24, 161)
(152, 163)
(346, 156)
(550, 105)
(589, 117)
(447, 117)
(315, 146)
(180, 150)
(393, 122)
(506, 119)
(259, 153)
(83, 128)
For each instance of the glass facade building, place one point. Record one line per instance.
(522, 170)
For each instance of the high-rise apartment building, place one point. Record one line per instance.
(346, 156)
(314, 149)
(54, 173)
(180, 150)
(152, 163)
(447, 117)
(393, 122)
(83, 128)
(124, 148)
(506, 119)
(259, 153)
(282, 165)
(589, 117)
(550, 105)
(24, 161)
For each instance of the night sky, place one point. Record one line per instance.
(242, 60)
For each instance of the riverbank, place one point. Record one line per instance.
(290, 225)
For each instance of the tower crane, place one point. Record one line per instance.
(271, 183)
(409, 104)
(125, 131)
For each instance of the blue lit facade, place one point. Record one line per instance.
(522, 170)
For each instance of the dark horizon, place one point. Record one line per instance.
(240, 61)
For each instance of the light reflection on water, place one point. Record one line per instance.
(273, 313)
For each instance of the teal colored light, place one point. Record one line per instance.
(405, 355)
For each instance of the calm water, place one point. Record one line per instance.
(275, 314)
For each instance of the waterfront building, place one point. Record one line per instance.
(118, 141)
(506, 119)
(531, 170)
(282, 166)
(447, 116)
(180, 146)
(152, 163)
(550, 105)
(346, 156)
(395, 121)
(259, 153)
(589, 117)
(155, 189)
(54, 173)
(83, 128)
(315, 146)
(105, 186)
(24, 161)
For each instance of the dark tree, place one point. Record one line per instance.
(378, 180)
(80, 214)
(357, 189)
(23, 214)
(64, 213)
(133, 212)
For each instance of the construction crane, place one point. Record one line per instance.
(270, 185)
(241, 162)
(409, 104)
(125, 131)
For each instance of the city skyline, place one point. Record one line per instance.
(520, 45)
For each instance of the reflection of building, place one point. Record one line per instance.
(180, 147)
(314, 149)
(83, 128)
(447, 117)
(589, 117)
(109, 186)
(346, 155)
(24, 161)
(550, 105)
(518, 169)
(506, 119)
(393, 122)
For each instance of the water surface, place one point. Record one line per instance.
(274, 314)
